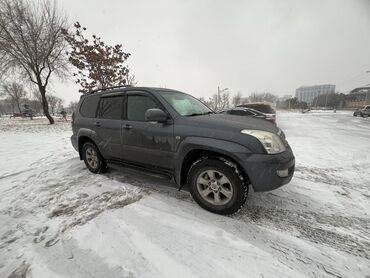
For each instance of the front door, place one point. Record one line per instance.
(149, 143)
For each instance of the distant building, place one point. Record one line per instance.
(358, 97)
(309, 93)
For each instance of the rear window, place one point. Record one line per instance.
(88, 106)
(260, 107)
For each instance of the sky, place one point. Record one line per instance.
(248, 46)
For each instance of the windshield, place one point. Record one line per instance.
(185, 104)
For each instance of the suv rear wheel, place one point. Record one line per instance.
(93, 159)
(216, 186)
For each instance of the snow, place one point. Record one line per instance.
(59, 220)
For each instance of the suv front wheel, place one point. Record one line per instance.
(217, 186)
(93, 159)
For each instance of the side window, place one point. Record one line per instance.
(111, 107)
(137, 106)
(88, 106)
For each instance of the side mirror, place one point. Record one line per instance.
(155, 115)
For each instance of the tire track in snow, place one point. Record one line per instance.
(316, 227)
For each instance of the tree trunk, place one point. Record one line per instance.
(45, 105)
(19, 108)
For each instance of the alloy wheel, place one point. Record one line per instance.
(214, 187)
(92, 157)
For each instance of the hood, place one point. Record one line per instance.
(232, 122)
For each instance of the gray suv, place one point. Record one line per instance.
(217, 156)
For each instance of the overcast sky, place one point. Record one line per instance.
(246, 46)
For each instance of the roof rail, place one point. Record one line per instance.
(108, 88)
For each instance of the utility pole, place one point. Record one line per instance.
(219, 91)
(367, 92)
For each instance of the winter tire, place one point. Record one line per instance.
(93, 159)
(217, 186)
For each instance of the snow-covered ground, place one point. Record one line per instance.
(59, 220)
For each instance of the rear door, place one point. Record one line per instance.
(109, 125)
(148, 143)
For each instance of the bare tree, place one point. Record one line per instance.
(131, 79)
(73, 105)
(237, 99)
(6, 106)
(260, 97)
(59, 104)
(15, 92)
(36, 96)
(225, 100)
(212, 102)
(35, 106)
(219, 101)
(31, 43)
(53, 102)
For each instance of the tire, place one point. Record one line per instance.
(355, 114)
(93, 159)
(217, 186)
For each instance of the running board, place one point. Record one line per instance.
(118, 165)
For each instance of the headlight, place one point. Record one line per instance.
(270, 141)
(281, 133)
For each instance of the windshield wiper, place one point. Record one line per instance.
(200, 114)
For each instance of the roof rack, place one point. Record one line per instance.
(108, 88)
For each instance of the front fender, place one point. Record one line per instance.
(189, 144)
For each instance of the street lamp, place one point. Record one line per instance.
(219, 95)
(225, 89)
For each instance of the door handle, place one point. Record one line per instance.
(97, 123)
(128, 126)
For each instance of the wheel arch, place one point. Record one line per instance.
(193, 148)
(81, 141)
(197, 155)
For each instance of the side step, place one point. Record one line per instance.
(118, 165)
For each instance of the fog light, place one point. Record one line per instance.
(283, 173)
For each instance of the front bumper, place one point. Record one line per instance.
(262, 169)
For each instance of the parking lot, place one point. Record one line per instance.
(61, 220)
